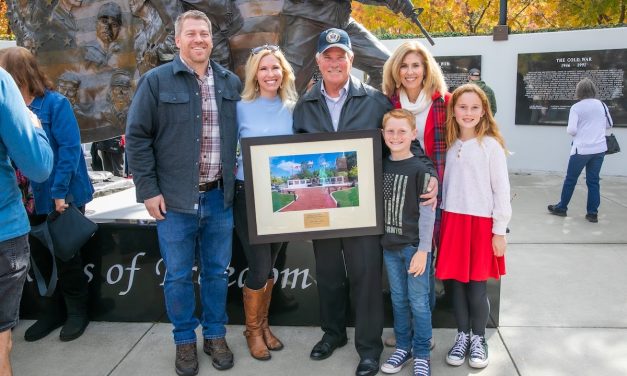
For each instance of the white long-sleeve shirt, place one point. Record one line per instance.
(476, 181)
(587, 124)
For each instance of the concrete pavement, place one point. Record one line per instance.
(563, 308)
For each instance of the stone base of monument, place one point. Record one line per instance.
(125, 272)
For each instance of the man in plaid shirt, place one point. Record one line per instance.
(181, 137)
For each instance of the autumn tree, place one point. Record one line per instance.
(480, 16)
(579, 13)
(475, 16)
(4, 21)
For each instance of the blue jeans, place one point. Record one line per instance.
(576, 163)
(207, 236)
(410, 302)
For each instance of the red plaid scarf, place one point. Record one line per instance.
(435, 147)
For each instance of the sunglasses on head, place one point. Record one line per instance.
(269, 47)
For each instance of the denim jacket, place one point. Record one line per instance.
(163, 132)
(69, 172)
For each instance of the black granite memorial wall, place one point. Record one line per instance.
(125, 272)
(545, 86)
(455, 69)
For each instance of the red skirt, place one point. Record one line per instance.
(466, 249)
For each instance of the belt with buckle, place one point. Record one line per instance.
(205, 187)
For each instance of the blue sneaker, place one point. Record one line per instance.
(396, 361)
(422, 367)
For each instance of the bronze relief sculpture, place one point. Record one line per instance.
(96, 50)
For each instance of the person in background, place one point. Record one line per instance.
(474, 77)
(406, 243)
(22, 141)
(476, 210)
(108, 155)
(181, 139)
(587, 122)
(68, 181)
(265, 110)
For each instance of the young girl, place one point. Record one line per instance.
(476, 211)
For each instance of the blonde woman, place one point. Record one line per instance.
(265, 110)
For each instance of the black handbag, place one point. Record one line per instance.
(63, 234)
(612, 144)
(42, 233)
(69, 231)
(611, 141)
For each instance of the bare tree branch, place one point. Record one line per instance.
(485, 9)
(525, 6)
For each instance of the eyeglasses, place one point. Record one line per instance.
(269, 47)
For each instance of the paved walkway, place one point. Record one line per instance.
(311, 198)
(563, 309)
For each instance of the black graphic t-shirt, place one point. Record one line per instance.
(402, 184)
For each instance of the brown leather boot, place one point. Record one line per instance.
(253, 303)
(272, 342)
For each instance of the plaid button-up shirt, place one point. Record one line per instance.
(210, 166)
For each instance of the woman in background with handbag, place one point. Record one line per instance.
(587, 122)
(68, 178)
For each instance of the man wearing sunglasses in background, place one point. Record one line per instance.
(181, 138)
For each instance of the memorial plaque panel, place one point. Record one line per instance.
(546, 83)
(455, 69)
(125, 271)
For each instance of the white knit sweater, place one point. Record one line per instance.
(476, 181)
(587, 123)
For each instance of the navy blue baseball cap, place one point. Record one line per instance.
(334, 38)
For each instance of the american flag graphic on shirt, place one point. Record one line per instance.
(394, 187)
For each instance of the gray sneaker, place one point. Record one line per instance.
(186, 363)
(478, 352)
(457, 354)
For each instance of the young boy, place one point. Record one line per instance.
(407, 244)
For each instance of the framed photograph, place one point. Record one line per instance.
(313, 186)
